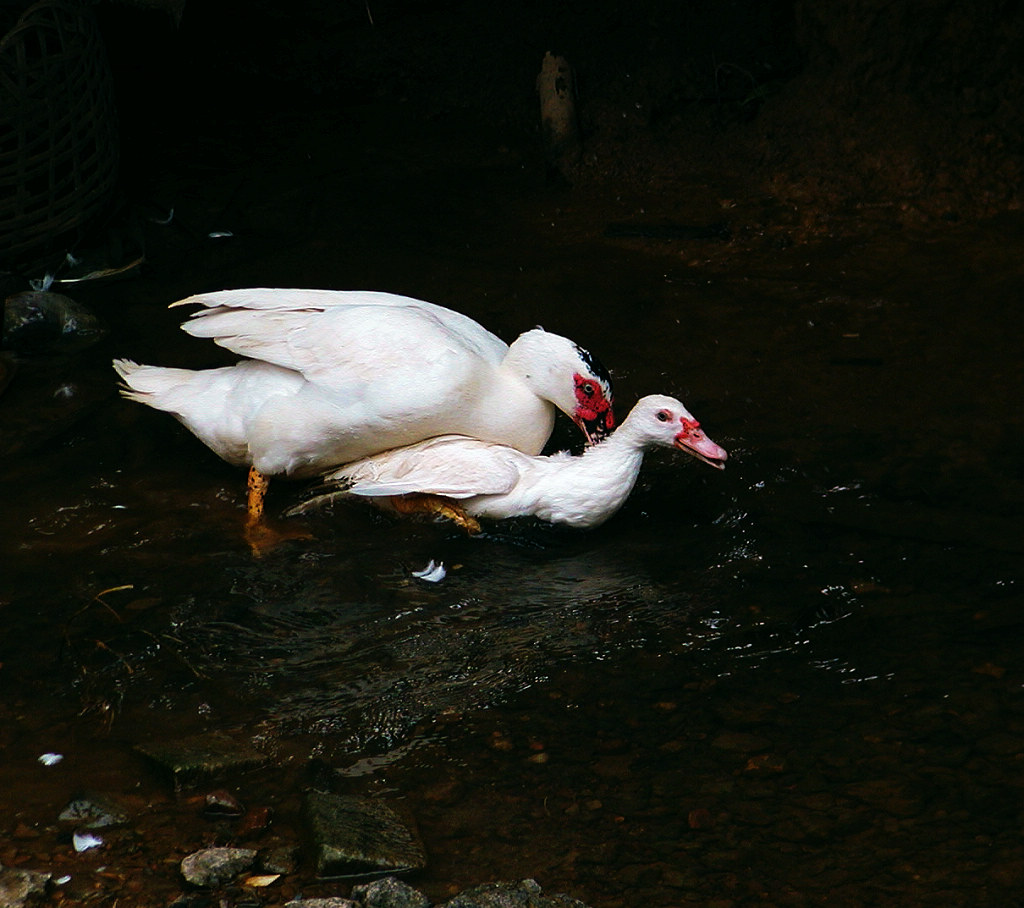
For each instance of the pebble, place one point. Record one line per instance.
(389, 893)
(221, 803)
(94, 811)
(214, 867)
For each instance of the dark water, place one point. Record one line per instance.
(796, 682)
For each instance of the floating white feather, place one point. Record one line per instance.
(433, 573)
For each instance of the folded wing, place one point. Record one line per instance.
(451, 465)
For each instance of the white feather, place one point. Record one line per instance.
(434, 572)
(83, 841)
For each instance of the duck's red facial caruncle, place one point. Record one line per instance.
(691, 438)
(593, 414)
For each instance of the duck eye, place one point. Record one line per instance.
(664, 416)
(588, 389)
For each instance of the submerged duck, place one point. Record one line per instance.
(463, 478)
(329, 377)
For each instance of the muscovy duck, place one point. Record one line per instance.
(468, 478)
(329, 377)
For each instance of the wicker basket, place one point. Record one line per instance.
(58, 132)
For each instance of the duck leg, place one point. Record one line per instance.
(435, 506)
(262, 538)
(257, 485)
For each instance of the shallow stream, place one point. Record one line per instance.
(793, 682)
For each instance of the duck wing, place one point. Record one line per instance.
(339, 338)
(451, 465)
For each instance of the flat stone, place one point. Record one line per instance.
(359, 836)
(214, 867)
(190, 760)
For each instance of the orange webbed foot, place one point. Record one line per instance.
(436, 506)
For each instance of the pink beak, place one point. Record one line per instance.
(693, 440)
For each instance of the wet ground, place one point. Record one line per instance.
(796, 682)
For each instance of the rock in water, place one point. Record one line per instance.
(40, 320)
(389, 893)
(213, 867)
(19, 887)
(359, 836)
(91, 810)
(205, 756)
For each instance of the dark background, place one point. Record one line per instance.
(897, 109)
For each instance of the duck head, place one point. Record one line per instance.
(659, 420)
(569, 376)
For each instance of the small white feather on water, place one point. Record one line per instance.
(50, 759)
(83, 841)
(433, 573)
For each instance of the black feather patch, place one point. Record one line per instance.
(595, 365)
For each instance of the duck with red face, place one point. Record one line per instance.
(692, 440)
(594, 414)
(328, 377)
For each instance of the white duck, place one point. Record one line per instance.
(333, 376)
(473, 478)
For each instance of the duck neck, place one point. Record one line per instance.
(623, 448)
(529, 360)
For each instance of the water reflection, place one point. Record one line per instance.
(335, 638)
(368, 670)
